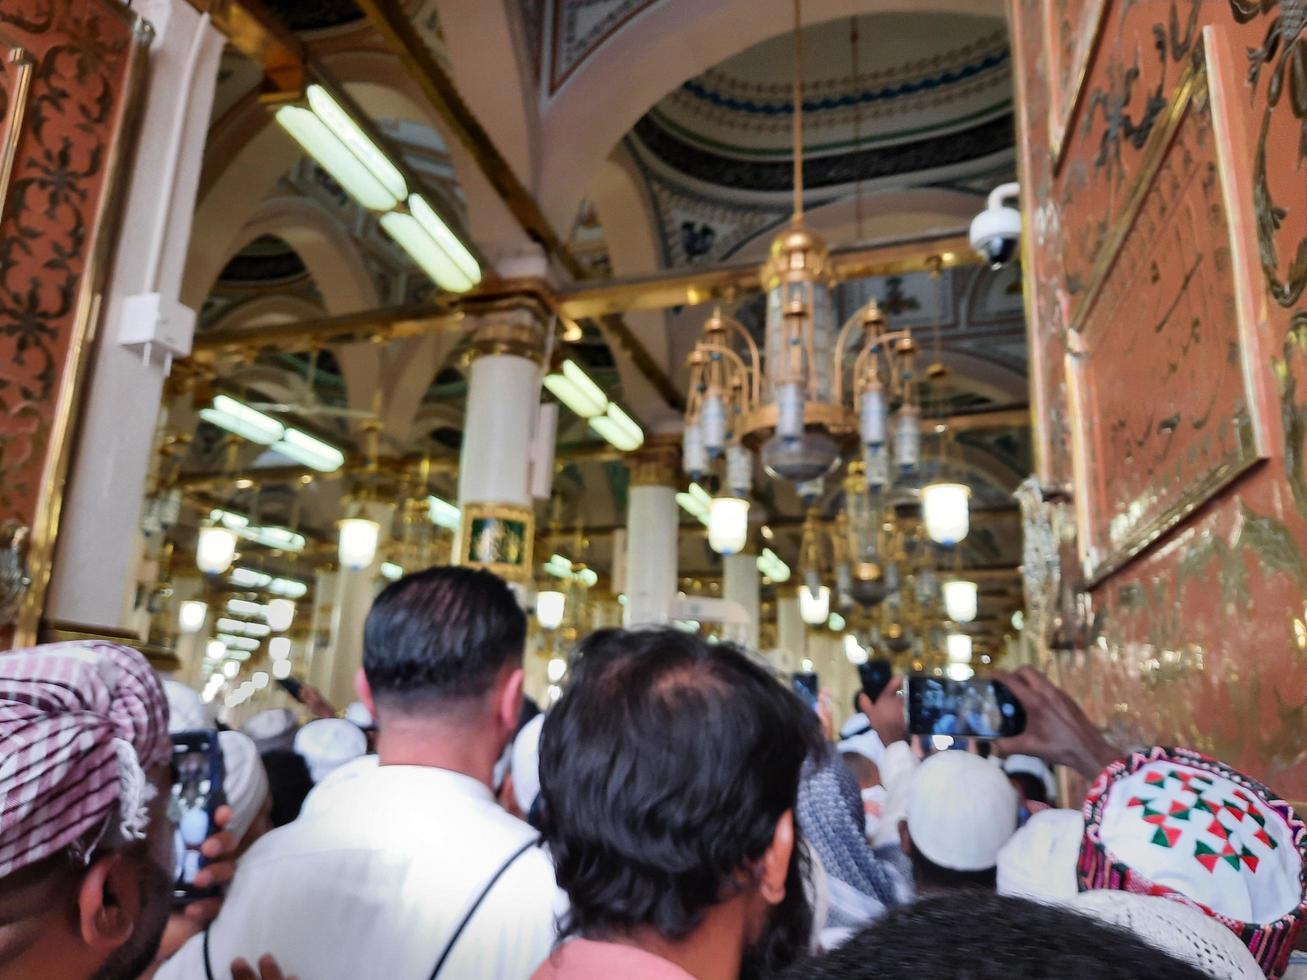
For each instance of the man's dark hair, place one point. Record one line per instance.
(441, 634)
(991, 937)
(664, 769)
(930, 876)
(289, 783)
(1031, 786)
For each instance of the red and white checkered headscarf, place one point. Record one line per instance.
(80, 724)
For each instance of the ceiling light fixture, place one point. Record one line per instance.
(334, 138)
(443, 513)
(214, 549)
(814, 606)
(358, 542)
(960, 600)
(238, 418)
(191, 614)
(728, 524)
(313, 453)
(550, 606)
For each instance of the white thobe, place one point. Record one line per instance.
(374, 877)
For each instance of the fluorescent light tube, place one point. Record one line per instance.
(590, 391)
(439, 231)
(335, 157)
(227, 413)
(626, 423)
(614, 434)
(350, 133)
(314, 453)
(562, 388)
(422, 249)
(443, 513)
(288, 587)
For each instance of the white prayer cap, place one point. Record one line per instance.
(1032, 766)
(1039, 861)
(1181, 930)
(526, 763)
(856, 725)
(186, 711)
(269, 724)
(866, 744)
(962, 810)
(245, 781)
(329, 743)
(357, 713)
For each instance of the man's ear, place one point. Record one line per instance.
(905, 839)
(364, 690)
(108, 902)
(864, 704)
(776, 860)
(509, 708)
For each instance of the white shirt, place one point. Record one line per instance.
(374, 877)
(897, 768)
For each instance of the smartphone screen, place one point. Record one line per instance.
(195, 797)
(806, 687)
(875, 676)
(974, 708)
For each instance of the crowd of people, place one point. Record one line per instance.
(677, 813)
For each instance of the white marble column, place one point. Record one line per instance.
(316, 665)
(791, 634)
(652, 530)
(742, 583)
(355, 590)
(98, 546)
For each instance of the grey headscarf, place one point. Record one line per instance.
(830, 817)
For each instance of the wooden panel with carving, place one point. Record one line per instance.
(1201, 638)
(1171, 314)
(60, 207)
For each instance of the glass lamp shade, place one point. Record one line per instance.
(358, 542)
(728, 524)
(215, 650)
(694, 456)
(959, 672)
(960, 602)
(854, 651)
(712, 417)
(872, 420)
(214, 550)
(549, 609)
(190, 615)
(279, 614)
(946, 510)
(279, 647)
(556, 669)
(959, 648)
(814, 607)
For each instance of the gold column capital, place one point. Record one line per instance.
(657, 464)
(517, 327)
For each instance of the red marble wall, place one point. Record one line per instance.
(71, 118)
(1163, 156)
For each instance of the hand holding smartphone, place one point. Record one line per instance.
(196, 794)
(975, 708)
(806, 686)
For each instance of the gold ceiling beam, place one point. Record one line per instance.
(690, 288)
(257, 34)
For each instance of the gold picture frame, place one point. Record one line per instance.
(1204, 448)
(498, 538)
(1066, 77)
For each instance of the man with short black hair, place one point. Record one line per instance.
(987, 937)
(403, 861)
(669, 773)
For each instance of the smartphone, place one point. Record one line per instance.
(197, 792)
(974, 708)
(806, 687)
(291, 686)
(875, 676)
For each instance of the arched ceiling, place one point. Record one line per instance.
(683, 160)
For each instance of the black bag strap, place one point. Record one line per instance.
(208, 968)
(467, 917)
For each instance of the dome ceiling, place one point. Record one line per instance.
(890, 101)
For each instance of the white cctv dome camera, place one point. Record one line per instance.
(996, 231)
